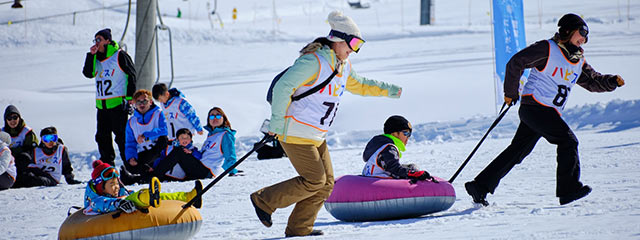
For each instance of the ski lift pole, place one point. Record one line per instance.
(257, 146)
(493, 125)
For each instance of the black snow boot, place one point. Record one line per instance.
(478, 194)
(582, 192)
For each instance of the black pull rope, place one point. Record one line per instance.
(257, 146)
(502, 113)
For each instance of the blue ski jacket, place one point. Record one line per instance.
(185, 107)
(95, 204)
(131, 143)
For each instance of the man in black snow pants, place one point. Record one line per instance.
(556, 65)
(115, 76)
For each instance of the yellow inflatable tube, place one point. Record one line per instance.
(168, 221)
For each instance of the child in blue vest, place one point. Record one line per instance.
(177, 110)
(181, 160)
(104, 193)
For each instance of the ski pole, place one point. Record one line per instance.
(481, 140)
(257, 146)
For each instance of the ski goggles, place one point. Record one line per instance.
(354, 42)
(107, 174)
(407, 133)
(215, 116)
(584, 31)
(50, 138)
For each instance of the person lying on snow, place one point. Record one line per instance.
(104, 194)
(181, 160)
(383, 152)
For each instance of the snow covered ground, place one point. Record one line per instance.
(446, 72)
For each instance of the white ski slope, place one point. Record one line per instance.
(446, 72)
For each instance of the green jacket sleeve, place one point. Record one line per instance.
(368, 87)
(303, 70)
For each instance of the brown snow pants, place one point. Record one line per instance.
(308, 191)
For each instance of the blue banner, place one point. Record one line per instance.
(508, 39)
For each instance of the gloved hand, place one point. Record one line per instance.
(128, 108)
(125, 205)
(418, 175)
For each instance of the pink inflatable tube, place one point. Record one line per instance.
(358, 198)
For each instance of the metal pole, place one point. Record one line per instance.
(145, 35)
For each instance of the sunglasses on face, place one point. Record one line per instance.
(354, 42)
(142, 102)
(50, 138)
(97, 40)
(407, 133)
(14, 117)
(215, 116)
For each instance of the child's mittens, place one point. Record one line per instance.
(125, 205)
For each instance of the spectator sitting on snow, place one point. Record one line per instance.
(146, 136)
(181, 160)
(7, 165)
(104, 194)
(50, 162)
(219, 149)
(177, 111)
(23, 139)
(383, 152)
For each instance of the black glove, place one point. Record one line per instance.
(125, 205)
(128, 108)
(418, 175)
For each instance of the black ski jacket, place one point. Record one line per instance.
(388, 159)
(536, 55)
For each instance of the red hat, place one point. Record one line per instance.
(98, 167)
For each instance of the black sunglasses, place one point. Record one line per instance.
(97, 40)
(14, 117)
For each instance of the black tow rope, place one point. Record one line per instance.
(502, 113)
(256, 146)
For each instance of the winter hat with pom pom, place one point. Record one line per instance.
(343, 24)
(98, 167)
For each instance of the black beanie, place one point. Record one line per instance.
(396, 123)
(570, 22)
(48, 130)
(10, 110)
(105, 33)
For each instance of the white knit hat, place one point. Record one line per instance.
(342, 23)
(5, 138)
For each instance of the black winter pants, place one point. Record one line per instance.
(538, 121)
(6, 181)
(111, 121)
(192, 167)
(34, 177)
(146, 158)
